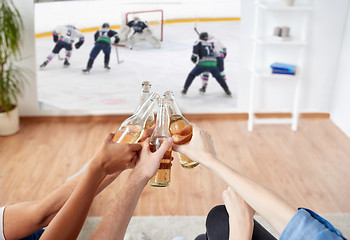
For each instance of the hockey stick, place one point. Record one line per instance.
(116, 51)
(195, 27)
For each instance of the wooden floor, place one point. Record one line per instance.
(310, 167)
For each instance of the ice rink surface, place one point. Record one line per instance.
(118, 90)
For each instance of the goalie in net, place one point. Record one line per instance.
(137, 30)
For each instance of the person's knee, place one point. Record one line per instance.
(218, 211)
(217, 223)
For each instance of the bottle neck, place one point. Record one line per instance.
(143, 112)
(173, 108)
(144, 96)
(162, 122)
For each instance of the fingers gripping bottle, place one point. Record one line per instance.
(180, 129)
(132, 128)
(160, 134)
(145, 93)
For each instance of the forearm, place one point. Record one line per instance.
(114, 224)
(240, 230)
(47, 208)
(268, 204)
(72, 215)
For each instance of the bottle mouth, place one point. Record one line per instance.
(168, 95)
(146, 86)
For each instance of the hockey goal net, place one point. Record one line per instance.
(153, 18)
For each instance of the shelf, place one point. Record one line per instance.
(268, 74)
(300, 14)
(274, 41)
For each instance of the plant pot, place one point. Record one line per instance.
(9, 122)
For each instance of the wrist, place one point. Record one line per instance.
(96, 168)
(138, 179)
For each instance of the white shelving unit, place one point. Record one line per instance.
(274, 13)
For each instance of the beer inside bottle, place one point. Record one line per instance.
(181, 132)
(128, 134)
(132, 128)
(162, 176)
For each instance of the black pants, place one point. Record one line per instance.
(217, 225)
(197, 70)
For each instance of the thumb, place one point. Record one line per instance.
(109, 137)
(164, 147)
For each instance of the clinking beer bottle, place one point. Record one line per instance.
(132, 128)
(180, 129)
(145, 93)
(159, 135)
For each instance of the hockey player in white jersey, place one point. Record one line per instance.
(141, 33)
(220, 52)
(64, 37)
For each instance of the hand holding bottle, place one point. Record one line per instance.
(114, 157)
(147, 163)
(201, 148)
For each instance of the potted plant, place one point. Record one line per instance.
(11, 76)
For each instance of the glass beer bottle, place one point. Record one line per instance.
(160, 134)
(145, 93)
(132, 128)
(180, 129)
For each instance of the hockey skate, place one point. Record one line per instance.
(228, 93)
(44, 64)
(107, 67)
(203, 89)
(87, 70)
(66, 63)
(184, 91)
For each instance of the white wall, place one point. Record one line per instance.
(325, 37)
(28, 103)
(340, 109)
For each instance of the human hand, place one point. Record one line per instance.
(240, 215)
(147, 133)
(200, 148)
(147, 163)
(113, 157)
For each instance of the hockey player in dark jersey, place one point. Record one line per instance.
(205, 59)
(102, 42)
(220, 53)
(64, 37)
(141, 32)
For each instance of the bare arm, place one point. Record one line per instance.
(267, 203)
(240, 216)
(114, 224)
(36, 215)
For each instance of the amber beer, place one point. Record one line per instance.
(128, 134)
(162, 177)
(160, 134)
(181, 132)
(132, 128)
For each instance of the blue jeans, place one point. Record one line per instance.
(34, 236)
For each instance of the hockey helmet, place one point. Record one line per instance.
(105, 25)
(203, 36)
